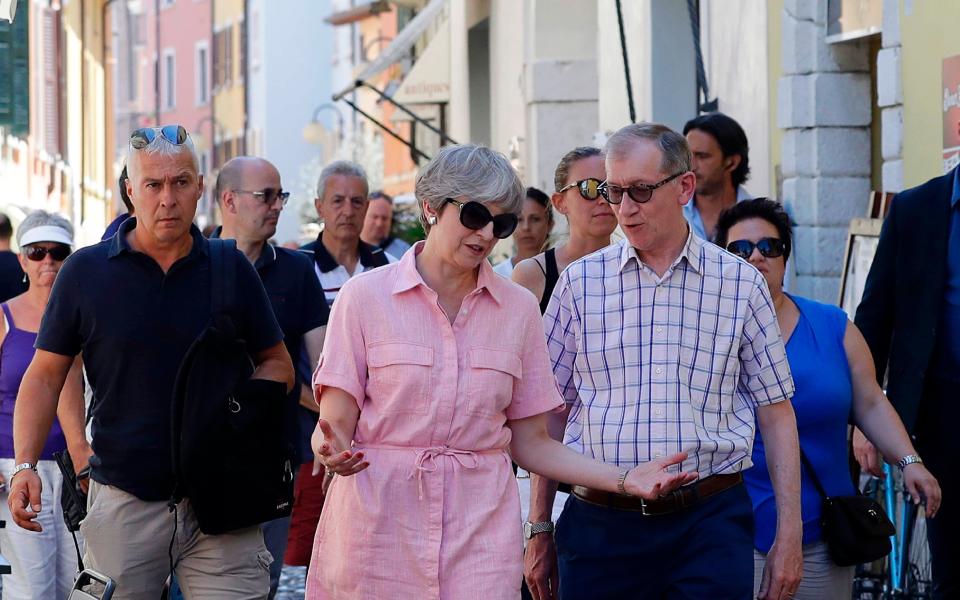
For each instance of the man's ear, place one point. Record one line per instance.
(318, 204)
(730, 163)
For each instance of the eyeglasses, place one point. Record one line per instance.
(589, 188)
(59, 253)
(638, 192)
(768, 247)
(474, 215)
(269, 195)
(143, 137)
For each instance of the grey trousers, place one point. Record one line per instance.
(822, 580)
(128, 540)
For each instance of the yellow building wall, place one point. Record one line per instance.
(928, 35)
(228, 102)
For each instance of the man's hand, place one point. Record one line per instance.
(867, 454)
(24, 499)
(783, 569)
(540, 567)
(81, 460)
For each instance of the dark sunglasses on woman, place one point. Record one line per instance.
(474, 215)
(143, 137)
(768, 247)
(589, 188)
(58, 253)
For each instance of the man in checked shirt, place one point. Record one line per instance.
(665, 343)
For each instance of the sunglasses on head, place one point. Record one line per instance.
(58, 253)
(143, 137)
(269, 195)
(768, 247)
(638, 192)
(474, 215)
(589, 188)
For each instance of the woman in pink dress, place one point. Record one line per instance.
(434, 372)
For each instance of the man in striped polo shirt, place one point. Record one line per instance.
(665, 343)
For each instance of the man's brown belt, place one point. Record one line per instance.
(676, 500)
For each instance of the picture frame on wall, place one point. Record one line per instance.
(862, 239)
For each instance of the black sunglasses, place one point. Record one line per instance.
(269, 195)
(589, 188)
(143, 137)
(474, 215)
(59, 253)
(638, 192)
(768, 247)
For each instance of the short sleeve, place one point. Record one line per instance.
(343, 363)
(313, 304)
(561, 323)
(535, 392)
(259, 324)
(764, 371)
(60, 327)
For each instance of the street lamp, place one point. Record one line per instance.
(365, 50)
(314, 132)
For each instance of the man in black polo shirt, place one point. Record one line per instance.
(133, 305)
(251, 197)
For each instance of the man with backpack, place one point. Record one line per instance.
(136, 305)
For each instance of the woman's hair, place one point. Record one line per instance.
(477, 172)
(543, 200)
(41, 218)
(562, 173)
(768, 210)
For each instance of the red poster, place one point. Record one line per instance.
(951, 112)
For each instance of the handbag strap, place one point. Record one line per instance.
(813, 474)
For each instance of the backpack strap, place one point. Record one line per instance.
(223, 284)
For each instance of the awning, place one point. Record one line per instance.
(399, 47)
(358, 13)
(429, 79)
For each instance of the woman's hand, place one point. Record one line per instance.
(922, 487)
(651, 480)
(330, 454)
(866, 454)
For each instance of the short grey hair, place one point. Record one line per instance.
(42, 218)
(345, 168)
(477, 172)
(675, 153)
(163, 147)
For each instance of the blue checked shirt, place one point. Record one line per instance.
(651, 366)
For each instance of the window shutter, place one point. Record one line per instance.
(15, 75)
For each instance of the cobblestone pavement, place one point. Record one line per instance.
(292, 583)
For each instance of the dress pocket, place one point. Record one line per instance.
(400, 374)
(490, 378)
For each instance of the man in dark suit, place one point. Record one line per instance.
(12, 280)
(910, 316)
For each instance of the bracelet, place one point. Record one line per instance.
(622, 479)
(329, 474)
(22, 467)
(909, 460)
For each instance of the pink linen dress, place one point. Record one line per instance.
(437, 513)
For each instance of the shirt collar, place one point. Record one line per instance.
(267, 257)
(327, 263)
(408, 277)
(955, 197)
(692, 252)
(119, 243)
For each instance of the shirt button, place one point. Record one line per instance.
(659, 370)
(658, 412)
(659, 329)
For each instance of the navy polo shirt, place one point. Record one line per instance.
(134, 324)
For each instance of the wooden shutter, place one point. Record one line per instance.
(15, 75)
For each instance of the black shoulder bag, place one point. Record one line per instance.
(856, 529)
(230, 452)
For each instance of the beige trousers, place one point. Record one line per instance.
(129, 540)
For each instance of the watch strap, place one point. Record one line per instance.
(22, 467)
(909, 460)
(540, 527)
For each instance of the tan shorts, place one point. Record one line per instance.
(128, 539)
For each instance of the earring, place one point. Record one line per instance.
(24, 277)
(431, 220)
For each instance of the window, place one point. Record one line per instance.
(202, 69)
(223, 57)
(166, 3)
(169, 79)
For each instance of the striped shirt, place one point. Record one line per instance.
(654, 365)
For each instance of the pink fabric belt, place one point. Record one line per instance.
(425, 461)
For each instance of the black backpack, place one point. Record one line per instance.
(232, 455)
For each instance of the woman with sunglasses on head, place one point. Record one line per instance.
(834, 376)
(420, 415)
(530, 238)
(577, 182)
(44, 563)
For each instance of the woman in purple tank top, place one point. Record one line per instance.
(44, 563)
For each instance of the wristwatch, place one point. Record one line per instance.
(22, 467)
(909, 460)
(532, 529)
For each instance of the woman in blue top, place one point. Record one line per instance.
(834, 377)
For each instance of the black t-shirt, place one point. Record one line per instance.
(11, 276)
(134, 323)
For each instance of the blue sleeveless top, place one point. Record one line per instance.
(15, 356)
(822, 402)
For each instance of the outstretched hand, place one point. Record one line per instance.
(331, 454)
(651, 480)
